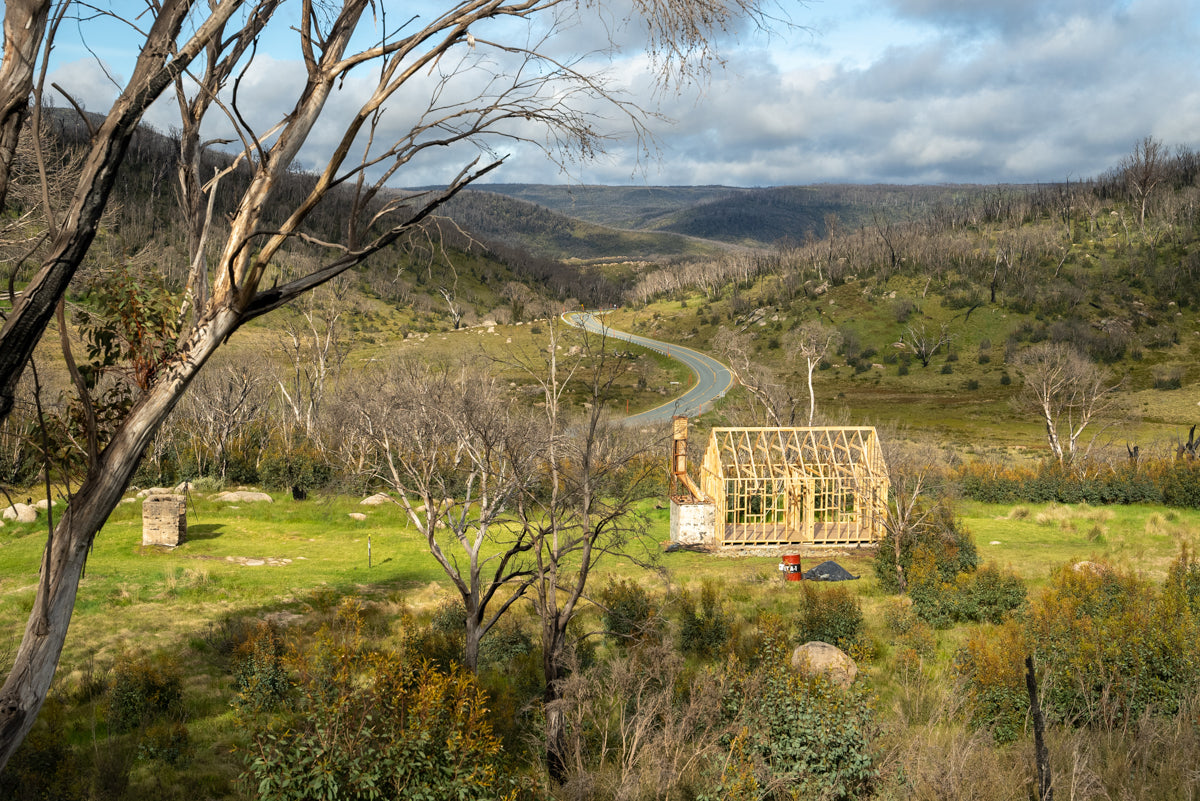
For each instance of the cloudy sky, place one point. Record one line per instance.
(890, 91)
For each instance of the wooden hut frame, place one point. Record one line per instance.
(785, 486)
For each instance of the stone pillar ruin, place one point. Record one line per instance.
(164, 520)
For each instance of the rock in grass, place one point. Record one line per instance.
(826, 660)
(21, 512)
(243, 496)
(359, 516)
(375, 500)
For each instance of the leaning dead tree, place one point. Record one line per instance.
(511, 89)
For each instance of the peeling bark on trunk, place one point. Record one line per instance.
(24, 26)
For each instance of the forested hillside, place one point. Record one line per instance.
(932, 316)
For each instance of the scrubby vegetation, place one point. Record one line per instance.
(338, 675)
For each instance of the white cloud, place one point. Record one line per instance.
(904, 91)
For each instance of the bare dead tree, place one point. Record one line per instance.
(924, 343)
(457, 456)
(773, 402)
(1143, 170)
(162, 57)
(813, 340)
(593, 472)
(566, 105)
(911, 471)
(1068, 390)
(24, 26)
(315, 348)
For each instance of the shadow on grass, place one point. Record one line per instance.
(204, 531)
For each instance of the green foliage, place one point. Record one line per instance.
(629, 613)
(1113, 646)
(1181, 485)
(293, 463)
(984, 595)
(991, 671)
(1175, 484)
(989, 595)
(832, 615)
(912, 636)
(44, 767)
(704, 632)
(259, 673)
(366, 724)
(801, 736)
(950, 546)
(144, 689)
(166, 741)
(134, 329)
(443, 639)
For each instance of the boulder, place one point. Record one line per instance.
(375, 500)
(182, 488)
(825, 660)
(44, 504)
(21, 512)
(359, 516)
(243, 496)
(146, 493)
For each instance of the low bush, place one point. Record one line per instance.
(367, 724)
(143, 689)
(800, 736)
(991, 670)
(988, 595)
(830, 615)
(1112, 646)
(629, 613)
(949, 543)
(259, 672)
(703, 631)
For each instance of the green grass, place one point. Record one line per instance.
(175, 601)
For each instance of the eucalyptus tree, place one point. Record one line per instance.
(1067, 390)
(357, 72)
(458, 456)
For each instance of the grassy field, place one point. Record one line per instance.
(294, 560)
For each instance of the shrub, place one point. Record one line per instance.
(143, 689)
(44, 765)
(832, 615)
(951, 547)
(298, 467)
(1112, 646)
(801, 736)
(629, 614)
(912, 635)
(443, 640)
(366, 724)
(987, 595)
(705, 632)
(991, 671)
(259, 673)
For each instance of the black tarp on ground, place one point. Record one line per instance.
(828, 571)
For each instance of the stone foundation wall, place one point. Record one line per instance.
(693, 524)
(164, 520)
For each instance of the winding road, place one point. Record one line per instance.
(713, 379)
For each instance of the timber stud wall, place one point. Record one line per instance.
(785, 486)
